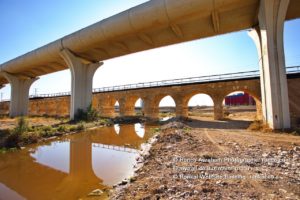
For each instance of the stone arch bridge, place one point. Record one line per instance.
(151, 93)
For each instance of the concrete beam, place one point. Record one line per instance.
(19, 96)
(82, 81)
(268, 38)
(177, 30)
(147, 39)
(215, 21)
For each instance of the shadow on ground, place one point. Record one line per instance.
(221, 124)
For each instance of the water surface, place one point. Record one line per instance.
(74, 166)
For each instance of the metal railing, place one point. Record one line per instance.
(50, 95)
(181, 81)
(172, 82)
(115, 148)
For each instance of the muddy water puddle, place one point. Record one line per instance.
(74, 166)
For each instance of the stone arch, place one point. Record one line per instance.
(139, 106)
(106, 105)
(167, 111)
(117, 128)
(181, 100)
(139, 130)
(255, 95)
(127, 105)
(151, 105)
(116, 107)
(203, 94)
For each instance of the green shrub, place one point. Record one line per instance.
(92, 114)
(155, 130)
(22, 126)
(62, 128)
(105, 121)
(73, 128)
(80, 126)
(14, 138)
(47, 131)
(29, 138)
(80, 115)
(89, 115)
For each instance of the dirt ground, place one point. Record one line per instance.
(10, 123)
(207, 159)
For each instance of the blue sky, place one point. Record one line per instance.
(26, 25)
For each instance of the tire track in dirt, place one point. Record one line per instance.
(255, 184)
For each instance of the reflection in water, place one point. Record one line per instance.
(54, 155)
(165, 118)
(117, 128)
(73, 167)
(7, 193)
(139, 129)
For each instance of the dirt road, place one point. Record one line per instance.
(206, 159)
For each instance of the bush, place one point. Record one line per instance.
(73, 128)
(92, 114)
(22, 126)
(89, 115)
(14, 138)
(80, 115)
(62, 128)
(80, 126)
(30, 138)
(47, 131)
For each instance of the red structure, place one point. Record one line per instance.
(239, 99)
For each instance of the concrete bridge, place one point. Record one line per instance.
(155, 24)
(151, 93)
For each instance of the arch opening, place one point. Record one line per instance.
(139, 130)
(117, 108)
(167, 108)
(117, 128)
(200, 106)
(139, 107)
(241, 105)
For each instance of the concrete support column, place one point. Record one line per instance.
(268, 38)
(82, 81)
(218, 108)
(19, 96)
(81, 168)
